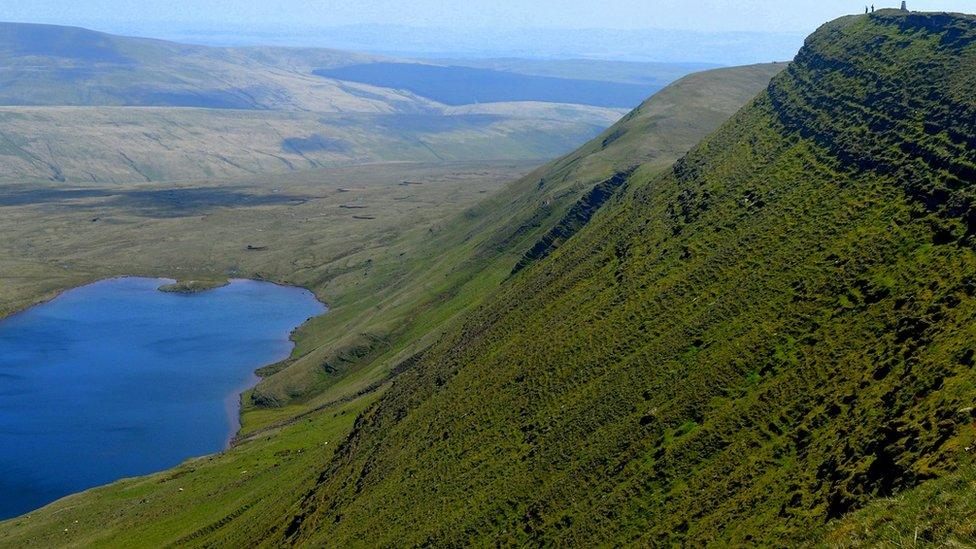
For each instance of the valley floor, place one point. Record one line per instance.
(295, 228)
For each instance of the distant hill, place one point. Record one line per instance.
(43, 65)
(625, 72)
(263, 110)
(456, 85)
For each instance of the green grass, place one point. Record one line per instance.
(940, 512)
(227, 499)
(468, 256)
(772, 335)
(60, 236)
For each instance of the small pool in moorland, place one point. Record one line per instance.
(117, 379)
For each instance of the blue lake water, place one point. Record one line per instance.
(116, 379)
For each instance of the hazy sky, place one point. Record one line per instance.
(706, 15)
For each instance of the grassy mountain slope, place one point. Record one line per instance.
(773, 334)
(940, 512)
(390, 299)
(466, 259)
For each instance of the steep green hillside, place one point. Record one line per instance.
(775, 333)
(463, 261)
(390, 298)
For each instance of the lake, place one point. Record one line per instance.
(117, 379)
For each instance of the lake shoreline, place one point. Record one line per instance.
(172, 285)
(104, 347)
(282, 314)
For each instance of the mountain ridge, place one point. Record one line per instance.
(761, 341)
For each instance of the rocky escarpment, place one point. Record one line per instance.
(575, 219)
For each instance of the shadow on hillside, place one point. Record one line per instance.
(158, 203)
